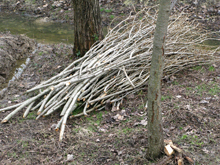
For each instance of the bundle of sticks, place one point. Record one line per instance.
(116, 66)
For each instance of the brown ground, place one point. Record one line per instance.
(190, 103)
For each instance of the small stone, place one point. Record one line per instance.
(44, 6)
(143, 122)
(69, 157)
(204, 102)
(111, 135)
(53, 126)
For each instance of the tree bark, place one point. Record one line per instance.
(87, 25)
(155, 130)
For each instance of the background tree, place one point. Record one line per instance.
(87, 25)
(155, 130)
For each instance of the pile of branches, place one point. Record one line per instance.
(115, 67)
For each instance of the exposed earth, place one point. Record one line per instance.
(190, 104)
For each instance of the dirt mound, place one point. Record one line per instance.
(13, 48)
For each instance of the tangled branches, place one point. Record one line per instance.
(117, 66)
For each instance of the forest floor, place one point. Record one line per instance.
(190, 106)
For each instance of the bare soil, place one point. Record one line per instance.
(13, 48)
(190, 105)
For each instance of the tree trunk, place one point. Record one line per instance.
(87, 25)
(155, 130)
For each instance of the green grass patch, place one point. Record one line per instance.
(78, 110)
(189, 88)
(163, 98)
(192, 139)
(215, 90)
(175, 82)
(198, 67)
(141, 107)
(108, 10)
(126, 130)
(211, 68)
(31, 115)
(91, 128)
(211, 88)
(24, 144)
(12, 154)
(111, 16)
(40, 53)
(95, 120)
(200, 89)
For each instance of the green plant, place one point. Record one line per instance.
(194, 140)
(188, 88)
(108, 10)
(96, 37)
(175, 82)
(78, 110)
(197, 67)
(91, 128)
(126, 130)
(99, 118)
(40, 53)
(78, 53)
(140, 92)
(24, 144)
(66, 17)
(102, 9)
(214, 90)
(184, 137)
(141, 107)
(201, 88)
(165, 98)
(14, 155)
(211, 68)
(112, 16)
(31, 115)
